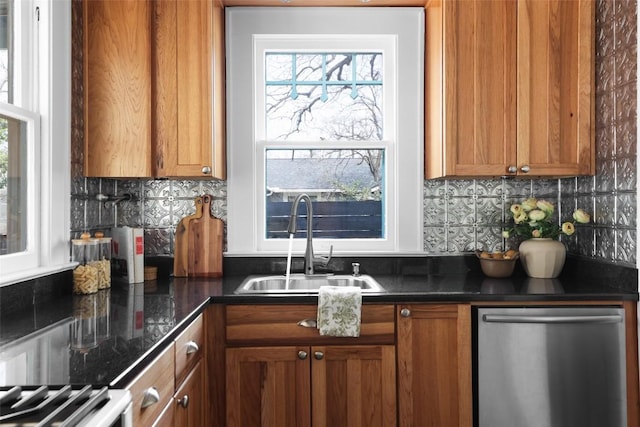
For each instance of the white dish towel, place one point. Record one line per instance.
(339, 311)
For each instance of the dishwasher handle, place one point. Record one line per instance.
(551, 319)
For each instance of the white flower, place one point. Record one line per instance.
(529, 204)
(520, 217)
(568, 228)
(545, 206)
(515, 209)
(537, 215)
(581, 216)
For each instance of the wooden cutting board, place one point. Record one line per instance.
(205, 243)
(181, 246)
(206, 237)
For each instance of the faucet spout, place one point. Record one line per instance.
(309, 258)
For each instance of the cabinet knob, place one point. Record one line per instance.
(318, 355)
(192, 347)
(206, 170)
(512, 169)
(184, 402)
(405, 312)
(302, 355)
(150, 397)
(525, 169)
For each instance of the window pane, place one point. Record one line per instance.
(346, 187)
(13, 185)
(323, 96)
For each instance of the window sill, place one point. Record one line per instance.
(34, 274)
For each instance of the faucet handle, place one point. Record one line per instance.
(324, 260)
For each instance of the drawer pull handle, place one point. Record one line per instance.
(184, 402)
(308, 323)
(151, 397)
(405, 312)
(192, 347)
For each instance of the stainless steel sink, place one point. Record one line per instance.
(299, 283)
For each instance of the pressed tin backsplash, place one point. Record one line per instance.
(459, 215)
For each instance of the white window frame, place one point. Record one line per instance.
(253, 31)
(385, 44)
(44, 99)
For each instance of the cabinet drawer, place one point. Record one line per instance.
(189, 348)
(156, 378)
(279, 324)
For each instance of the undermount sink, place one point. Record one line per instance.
(299, 283)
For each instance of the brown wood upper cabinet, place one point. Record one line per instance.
(509, 88)
(154, 88)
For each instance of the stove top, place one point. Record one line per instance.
(62, 406)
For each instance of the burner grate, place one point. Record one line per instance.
(64, 407)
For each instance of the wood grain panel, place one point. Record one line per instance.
(216, 364)
(556, 87)
(165, 86)
(183, 64)
(354, 386)
(117, 88)
(159, 374)
(194, 388)
(470, 106)
(194, 40)
(268, 386)
(186, 361)
(219, 142)
(279, 324)
(434, 365)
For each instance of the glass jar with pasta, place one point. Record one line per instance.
(103, 263)
(84, 251)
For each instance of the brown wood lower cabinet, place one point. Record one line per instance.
(341, 385)
(280, 372)
(411, 366)
(187, 408)
(190, 399)
(434, 365)
(172, 391)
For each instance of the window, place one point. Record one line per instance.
(334, 101)
(34, 137)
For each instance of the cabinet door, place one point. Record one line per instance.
(117, 88)
(470, 82)
(153, 389)
(353, 386)
(434, 365)
(268, 386)
(187, 63)
(190, 399)
(556, 86)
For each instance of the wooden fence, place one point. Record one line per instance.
(344, 219)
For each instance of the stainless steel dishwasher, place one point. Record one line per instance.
(556, 367)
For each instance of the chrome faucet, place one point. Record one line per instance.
(309, 258)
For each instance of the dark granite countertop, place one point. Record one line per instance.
(48, 336)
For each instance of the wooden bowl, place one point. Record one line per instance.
(496, 265)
